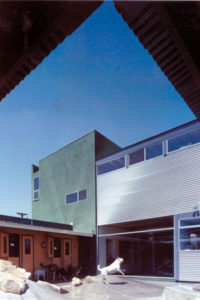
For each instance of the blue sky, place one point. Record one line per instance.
(99, 78)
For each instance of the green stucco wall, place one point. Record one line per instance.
(70, 169)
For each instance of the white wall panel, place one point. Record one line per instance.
(189, 265)
(159, 187)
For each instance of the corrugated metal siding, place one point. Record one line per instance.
(189, 266)
(159, 187)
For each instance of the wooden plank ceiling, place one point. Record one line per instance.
(30, 30)
(170, 31)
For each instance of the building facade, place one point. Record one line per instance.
(28, 243)
(64, 190)
(64, 184)
(139, 202)
(143, 191)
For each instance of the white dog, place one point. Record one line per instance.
(40, 274)
(111, 269)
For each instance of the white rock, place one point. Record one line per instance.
(76, 281)
(54, 287)
(13, 286)
(12, 279)
(89, 279)
(4, 264)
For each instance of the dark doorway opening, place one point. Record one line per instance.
(148, 254)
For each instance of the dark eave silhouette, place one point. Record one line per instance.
(30, 30)
(170, 31)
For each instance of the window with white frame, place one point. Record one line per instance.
(184, 140)
(189, 232)
(76, 196)
(36, 189)
(136, 156)
(190, 238)
(154, 151)
(112, 165)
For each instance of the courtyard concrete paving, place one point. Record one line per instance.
(120, 288)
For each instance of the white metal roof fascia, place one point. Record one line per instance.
(41, 228)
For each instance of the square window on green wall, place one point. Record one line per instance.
(82, 195)
(70, 198)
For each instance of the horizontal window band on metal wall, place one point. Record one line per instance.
(112, 165)
(134, 158)
(152, 151)
(184, 140)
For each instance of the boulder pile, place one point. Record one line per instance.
(12, 278)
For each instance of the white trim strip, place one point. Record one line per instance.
(139, 231)
(189, 226)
